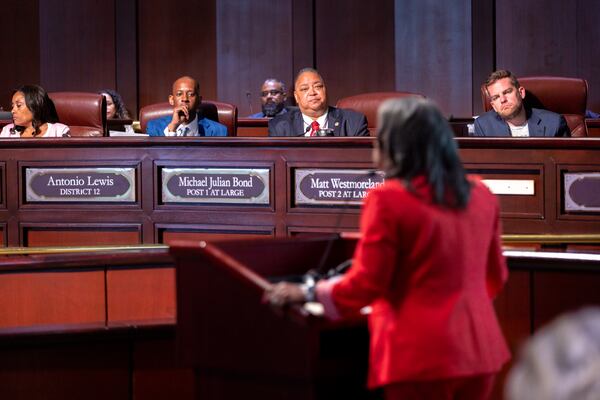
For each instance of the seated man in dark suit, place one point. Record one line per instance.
(272, 99)
(185, 120)
(510, 116)
(313, 115)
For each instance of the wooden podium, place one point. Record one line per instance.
(240, 347)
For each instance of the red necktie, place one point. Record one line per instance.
(314, 128)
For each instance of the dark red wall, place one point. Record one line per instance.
(443, 50)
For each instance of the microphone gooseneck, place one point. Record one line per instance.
(249, 98)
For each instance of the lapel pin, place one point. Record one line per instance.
(336, 123)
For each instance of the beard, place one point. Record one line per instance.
(272, 109)
(511, 112)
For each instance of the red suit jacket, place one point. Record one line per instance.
(430, 274)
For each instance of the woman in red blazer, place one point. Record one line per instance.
(429, 263)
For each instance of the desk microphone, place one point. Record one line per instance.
(321, 132)
(314, 275)
(248, 97)
(303, 133)
(324, 132)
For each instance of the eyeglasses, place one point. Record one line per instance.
(270, 92)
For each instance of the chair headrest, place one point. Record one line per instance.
(84, 113)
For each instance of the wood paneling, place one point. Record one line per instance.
(550, 38)
(482, 14)
(174, 40)
(443, 50)
(20, 49)
(127, 295)
(354, 42)
(79, 237)
(52, 298)
(525, 43)
(588, 48)
(158, 372)
(168, 236)
(303, 28)
(81, 223)
(559, 292)
(77, 45)
(433, 52)
(89, 370)
(254, 42)
(513, 308)
(126, 52)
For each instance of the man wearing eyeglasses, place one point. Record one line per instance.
(272, 97)
(314, 116)
(510, 117)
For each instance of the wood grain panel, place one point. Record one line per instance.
(513, 308)
(20, 49)
(525, 43)
(559, 292)
(588, 48)
(168, 237)
(52, 298)
(79, 237)
(355, 46)
(303, 34)
(129, 300)
(126, 53)
(483, 47)
(433, 52)
(158, 371)
(77, 45)
(176, 40)
(254, 43)
(88, 370)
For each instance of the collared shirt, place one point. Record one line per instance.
(322, 120)
(189, 129)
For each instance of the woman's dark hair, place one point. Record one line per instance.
(416, 140)
(41, 106)
(120, 109)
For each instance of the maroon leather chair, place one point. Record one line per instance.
(224, 113)
(566, 96)
(84, 113)
(368, 104)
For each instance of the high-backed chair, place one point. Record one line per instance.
(224, 113)
(368, 103)
(566, 96)
(84, 113)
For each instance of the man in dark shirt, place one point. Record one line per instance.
(272, 97)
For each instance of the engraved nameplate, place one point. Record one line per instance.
(215, 185)
(334, 186)
(104, 184)
(523, 187)
(582, 191)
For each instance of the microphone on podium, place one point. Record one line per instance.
(314, 275)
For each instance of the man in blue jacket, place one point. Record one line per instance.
(185, 120)
(510, 117)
